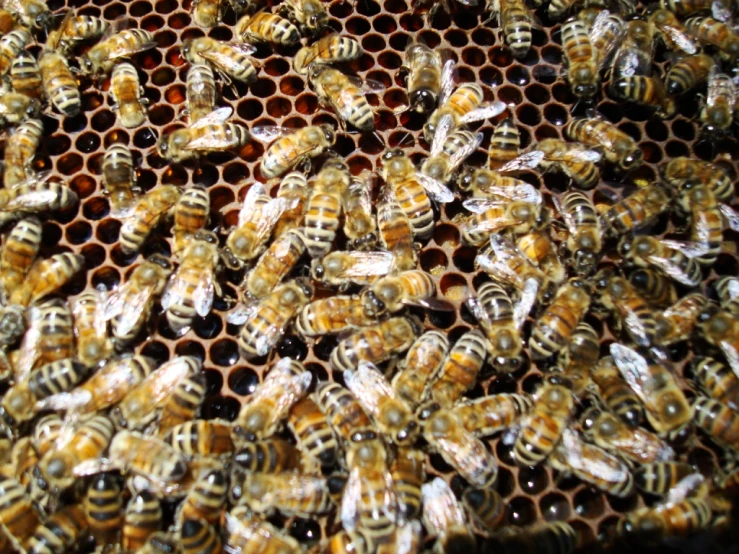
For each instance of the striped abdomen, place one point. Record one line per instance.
(60, 84)
(516, 23)
(183, 403)
(321, 222)
(143, 517)
(415, 203)
(460, 369)
(201, 438)
(312, 431)
(104, 507)
(206, 498)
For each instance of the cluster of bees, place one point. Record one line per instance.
(104, 449)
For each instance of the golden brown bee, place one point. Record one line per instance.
(332, 315)
(606, 31)
(496, 215)
(149, 457)
(50, 337)
(16, 107)
(634, 56)
(448, 150)
(685, 8)
(130, 304)
(717, 114)
(90, 328)
(396, 238)
(667, 409)
(429, 76)
(202, 438)
(399, 173)
(273, 455)
(119, 178)
(344, 412)
(324, 207)
(103, 57)
(61, 531)
(199, 537)
(17, 513)
(582, 62)
(408, 474)
(647, 91)
(46, 432)
(46, 276)
(257, 217)
(86, 443)
(327, 50)
(274, 264)
(460, 369)
(661, 477)
(270, 402)
(36, 194)
(312, 431)
(31, 13)
(422, 362)
(310, 16)
(248, 533)
(294, 192)
(717, 380)
(265, 321)
(618, 294)
(637, 210)
(459, 107)
(485, 506)
(143, 517)
(680, 171)
(592, 464)
(128, 95)
(294, 148)
(543, 427)
(230, 58)
(688, 73)
(505, 144)
(675, 260)
(339, 268)
(11, 45)
(19, 253)
(715, 33)
(515, 20)
(651, 525)
(105, 388)
(618, 147)
(207, 13)
(392, 293)
(585, 238)
(718, 421)
(289, 492)
(190, 216)
(201, 91)
(677, 322)
(146, 214)
(20, 149)
(445, 519)
(206, 499)
(267, 27)
(634, 444)
(615, 393)
(183, 404)
(675, 36)
(25, 76)
(538, 247)
(359, 223)
(104, 508)
(344, 96)
(209, 134)
(76, 29)
(493, 413)
(654, 287)
(59, 83)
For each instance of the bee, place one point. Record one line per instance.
(685, 8)
(592, 465)
(631, 443)
(675, 36)
(149, 457)
(229, 58)
(60, 85)
(246, 533)
(553, 330)
(198, 537)
(265, 321)
(717, 380)
(183, 404)
(324, 207)
(667, 409)
(445, 519)
(332, 315)
(61, 531)
(11, 46)
(637, 210)
(718, 421)
(581, 59)
(128, 96)
(140, 405)
(45, 277)
(19, 253)
(17, 513)
(129, 305)
(294, 148)
(458, 107)
(634, 56)
(327, 50)
(207, 13)
(485, 506)
(209, 134)
(76, 29)
(344, 95)
(201, 91)
(423, 360)
(392, 293)
(257, 217)
(142, 518)
(312, 431)
(712, 32)
(271, 401)
(460, 369)
(502, 322)
(339, 268)
(16, 108)
(717, 114)
(205, 500)
(145, 215)
(87, 442)
(505, 144)
(50, 336)
(615, 393)
(105, 388)
(46, 432)
(544, 425)
(654, 287)
(647, 91)
(310, 16)
(90, 327)
(661, 477)
(493, 413)
(515, 20)
(103, 57)
(392, 415)
(677, 322)
(727, 290)
(585, 239)
(556, 537)
(274, 264)
(618, 294)
(673, 259)
(25, 76)
(103, 507)
(294, 192)
(448, 150)
(267, 27)
(20, 150)
(542, 251)
(344, 412)
(190, 216)
(119, 178)
(359, 223)
(618, 147)
(606, 32)
(289, 492)
(429, 77)
(396, 237)
(34, 195)
(267, 456)
(31, 13)
(407, 471)
(493, 216)
(202, 438)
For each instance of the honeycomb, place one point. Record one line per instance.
(541, 103)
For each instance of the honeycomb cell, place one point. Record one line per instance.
(530, 115)
(103, 120)
(510, 95)
(521, 511)
(224, 353)
(221, 407)
(555, 507)
(79, 232)
(533, 480)
(491, 76)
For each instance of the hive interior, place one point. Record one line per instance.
(542, 103)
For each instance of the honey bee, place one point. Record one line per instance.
(19, 253)
(90, 327)
(45, 277)
(16, 108)
(631, 443)
(129, 305)
(460, 369)
(542, 428)
(717, 380)
(332, 315)
(485, 507)
(128, 96)
(119, 178)
(103, 57)
(31, 13)
(209, 134)
(490, 216)
(429, 77)
(407, 471)
(61, 531)
(727, 290)
(502, 321)
(267, 27)
(76, 29)
(718, 34)
(339, 268)
(327, 50)
(271, 401)
(647, 91)
(585, 239)
(267, 456)
(294, 148)
(422, 361)
(615, 393)
(207, 13)
(201, 91)
(11, 45)
(581, 59)
(445, 519)
(149, 457)
(104, 389)
(493, 413)
(12, 326)
(359, 223)
(654, 287)
(718, 421)
(198, 536)
(289, 492)
(324, 207)
(345, 95)
(183, 404)
(515, 20)
(542, 251)
(684, 8)
(62, 465)
(145, 215)
(274, 264)
(247, 533)
(190, 216)
(706, 222)
(717, 114)
(206, 499)
(661, 477)
(618, 147)
(142, 518)
(458, 107)
(232, 59)
(681, 171)
(667, 409)
(606, 31)
(486, 183)
(505, 143)
(25, 76)
(392, 415)
(448, 150)
(678, 321)
(392, 293)
(202, 438)
(103, 506)
(17, 513)
(310, 16)
(396, 237)
(676, 38)
(592, 465)
(20, 149)
(634, 56)
(265, 321)
(312, 431)
(294, 192)
(674, 259)
(34, 195)
(345, 414)
(45, 433)
(637, 210)
(618, 295)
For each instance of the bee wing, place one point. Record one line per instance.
(128, 304)
(32, 200)
(721, 11)
(686, 487)
(471, 3)
(176, 288)
(529, 160)
(240, 313)
(443, 128)
(480, 205)
(673, 270)
(369, 263)
(436, 189)
(730, 215)
(606, 467)
(219, 115)
(582, 153)
(680, 39)
(484, 112)
(523, 193)
(367, 86)
(476, 309)
(210, 141)
(248, 208)
(221, 59)
(268, 133)
(605, 24)
(492, 224)
(634, 369)
(566, 216)
(527, 301)
(161, 382)
(369, 386)
(438, 304)
(732, 356)
(465, 152)
(440, 506)
(205, 290)
(447, 81)
(473, 461)
(636, 328)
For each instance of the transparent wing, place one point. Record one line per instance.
(529, 160)
(438, 304)
(721, 11)
(636, 328)
(33, 200)
(484, 112)
(689, 249)
(476, 309)
(240, 313)
(224, 59)
(461, 154)
(673, 270)
(480, 205)
(447, 81)
(177, 287)
(205, 290)
(219, 141)
(129, 304)
(603, 466)
(566, 216)
(268, 133)
(582, 153)
(634, 369)
(350, 500)
(731, 216)
(369, 386)
(443, 128)
(732, 356)
(441, 510)
(437, 190)
(367, 86)
(679, 39)
(65, 401)
(469, 456)
(250, 208)
(369, 263)
(527, 301)
(685, 488)
(161, 382)
(517, 193)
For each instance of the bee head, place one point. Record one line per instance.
(34, 108)
(466, 177)
(329, 133)
(373, 306)
(585, 90)
(631, 160)
(429, 130)
(161, 261)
